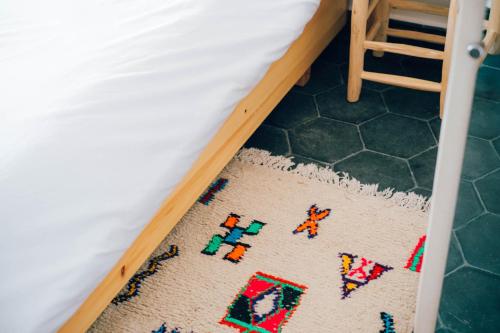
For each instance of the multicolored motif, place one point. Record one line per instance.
(416, 259)
(388, 322)
(361, 274)
(311, 224)
(164, 329)
(264, 304)
(232, 238)
(215, 187)
(134, 284)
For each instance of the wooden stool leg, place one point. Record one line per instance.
(450, 29)
(381, 14)
(356, 50)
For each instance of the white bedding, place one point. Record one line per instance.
(104, 106)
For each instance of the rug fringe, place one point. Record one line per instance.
(408, 200)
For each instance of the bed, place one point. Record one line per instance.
(114, 117)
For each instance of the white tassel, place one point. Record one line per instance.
(342, 180)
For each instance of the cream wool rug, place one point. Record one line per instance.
(275, 248)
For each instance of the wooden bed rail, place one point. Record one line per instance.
(245, 119)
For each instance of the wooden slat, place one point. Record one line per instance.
(492, 38)
(402, 81)
(419, 6)
(416, 35)
(248, 115)
(372, 6)
(374, 29)
(404, 49)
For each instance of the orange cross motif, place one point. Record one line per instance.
(311, 224)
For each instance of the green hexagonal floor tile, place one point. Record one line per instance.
(485, 119)
(397, 135)
(324, 76)
(489, 190)
(293, 110)
(423, 167)
(269, 138)
(488, 83)
(419, 104)
(373, 168)
(455, 259)
(325, 140)
(470, 301)
(333, 104)
(496, 144)
(480, 242)
(304, 160)
(436, 127)
(480, 158)
(468, 205)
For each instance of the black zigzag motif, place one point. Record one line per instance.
(134, 284)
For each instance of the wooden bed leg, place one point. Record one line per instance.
(381, 14)
(304, 78)
(357, 50)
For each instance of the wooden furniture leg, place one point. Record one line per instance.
(381, 18)
(448, 45)
(356, 50)
(304, 78)
(492, 38)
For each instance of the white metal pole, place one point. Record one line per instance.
(452, 141)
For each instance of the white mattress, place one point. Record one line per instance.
(104, 106)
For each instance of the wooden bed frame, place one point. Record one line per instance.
(238, 127)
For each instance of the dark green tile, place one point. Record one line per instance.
(468, 205)
(436, 127)
(269, 138)
(324, 76)
(304, 160)
(496, 144)
(333, 104)
(489, 190)
(480, 158)
(492, 60)
(423, 167)
(422, 191)
(485, 119)
(426, 69)
(454, 256)
(390, 63)
(443, 330)
(419, 104)
(488, 83)
(372, 168)
(397, 136)
(480, 242)
(337, 52)
(293, 110)
(471, 301)
(325, 140)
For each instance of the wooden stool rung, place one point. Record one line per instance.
(419, 7)
(372, 6)
(374, 29)
(402, 81)
(416, 35)
(415, 51)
